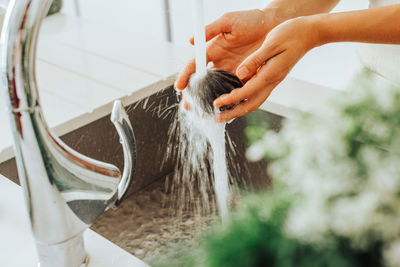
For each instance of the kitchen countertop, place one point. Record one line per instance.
(16, 236)
(82, 68)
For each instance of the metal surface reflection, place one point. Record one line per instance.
(65, 191)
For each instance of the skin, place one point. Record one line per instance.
(283, 47)
(236, 35)
(262, 46)
(231, 39)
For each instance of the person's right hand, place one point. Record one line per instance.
(233, 37)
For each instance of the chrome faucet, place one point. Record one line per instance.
(65, 191)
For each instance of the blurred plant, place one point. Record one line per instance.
(345, 164)
(335, 197)
(256, 126)
(256, 236)
(342, 165)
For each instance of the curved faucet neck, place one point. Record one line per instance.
(18, 50)
(65, 191)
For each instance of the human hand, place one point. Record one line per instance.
(264, 69)
(233, 37)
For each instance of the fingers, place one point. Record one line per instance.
(256, 90)
(237, 95)
(221, 25)
(185, 74)
(246, 107)
(272, 72)
(253, 62)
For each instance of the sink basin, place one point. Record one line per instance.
(144, 223)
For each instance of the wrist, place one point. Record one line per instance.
(319, 26)
(281, 14)
(274, 15)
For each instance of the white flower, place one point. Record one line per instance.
(308, 222)
(355, 217)
(344, 187)
(392, 254)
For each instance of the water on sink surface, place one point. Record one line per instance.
(145, 223)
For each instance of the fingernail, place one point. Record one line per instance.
(217, 102)
(242, 72)
(176, 87)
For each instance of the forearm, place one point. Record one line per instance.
(288, 9)
(375, 25)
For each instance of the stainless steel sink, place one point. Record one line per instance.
(143, 222)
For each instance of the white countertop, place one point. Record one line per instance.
(17, 244)
(81, 68)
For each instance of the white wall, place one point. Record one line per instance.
(143, 17)
(147, 17)
(330, 65)
(181, 12)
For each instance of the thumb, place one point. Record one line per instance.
(221, 25)
(251, 64)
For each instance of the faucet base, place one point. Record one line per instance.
(70, 253)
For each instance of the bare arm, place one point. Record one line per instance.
(288, 42)
(288, 9)
(236, 35)
(375, 25)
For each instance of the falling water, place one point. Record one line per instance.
(214, 133)
(199, 37)
(200, 178)
(201, 184)
(201, 153)
(221, 183)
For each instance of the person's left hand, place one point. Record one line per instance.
(231, 39)
(283, 47)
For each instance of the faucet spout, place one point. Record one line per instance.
(65, 191)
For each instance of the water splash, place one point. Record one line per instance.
(201, 180)
(199, 37)
(200, 150)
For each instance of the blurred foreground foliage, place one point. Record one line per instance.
(255, 236)
(335, 197)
